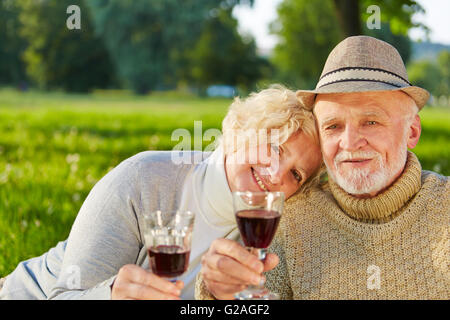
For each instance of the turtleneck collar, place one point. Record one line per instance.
(384, 206)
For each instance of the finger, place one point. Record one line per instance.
(230, 267)
(237, 252)
(217, 276)
(179, 284)
(141, 276)
(161, 284)
(143, 292)
(271, 261)
(219, 290)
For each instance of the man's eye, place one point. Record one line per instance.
(371, 123)
(296, 175)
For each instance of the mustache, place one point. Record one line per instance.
(346, 155)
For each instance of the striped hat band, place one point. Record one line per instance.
(362, 74)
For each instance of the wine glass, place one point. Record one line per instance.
(167, 237)
(257, 216)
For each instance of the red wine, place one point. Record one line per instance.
(257, 227)
(168, 261)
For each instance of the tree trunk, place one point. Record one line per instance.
(347, 12)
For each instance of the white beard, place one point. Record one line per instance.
(362, 181)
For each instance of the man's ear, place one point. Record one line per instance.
(414, 129)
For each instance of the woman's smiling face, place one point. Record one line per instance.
(274, 168)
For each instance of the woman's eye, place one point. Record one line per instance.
(334, 126)
(296, 175)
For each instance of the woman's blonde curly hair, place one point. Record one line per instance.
(276, 107)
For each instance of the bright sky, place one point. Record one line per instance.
(256, 21)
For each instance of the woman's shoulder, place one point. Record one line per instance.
(160, 166)
(149, 167)
(168, 158)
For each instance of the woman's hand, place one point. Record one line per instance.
(228, 268)
(135, 283)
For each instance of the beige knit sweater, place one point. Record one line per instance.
(393, 246)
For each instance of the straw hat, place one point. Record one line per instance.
(362, 64)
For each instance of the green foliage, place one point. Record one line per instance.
(397, 13)
(221, 55)
(424, 74)
(432, 75)
(443, 62)
(56, 57)
(142, 45)
(309, 30)
(148, 39)
(12, 46)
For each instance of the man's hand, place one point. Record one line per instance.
(228, 268)
(135, 283)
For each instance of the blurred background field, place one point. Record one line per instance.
(75, 102)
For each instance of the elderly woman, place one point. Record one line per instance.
(269, 143)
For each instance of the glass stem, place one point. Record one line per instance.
(261, 253)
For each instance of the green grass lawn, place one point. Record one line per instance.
(54, 147)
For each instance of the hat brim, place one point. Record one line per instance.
(308, 97)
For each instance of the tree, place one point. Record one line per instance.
(56, 57)
(425, 74)
(348, 14)
(352, 13)
(12, 46)
(398, 14)
(443, 62)
(221, 55)
(307, 33)
(432, 75)
(147, 38)
(309, 30)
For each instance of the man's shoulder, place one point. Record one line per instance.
(434, 178)
(435, 189)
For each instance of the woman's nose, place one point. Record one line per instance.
(274, 178)
(276, 172)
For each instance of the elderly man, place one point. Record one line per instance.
(378, 228)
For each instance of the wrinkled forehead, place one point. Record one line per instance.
(385, 103)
